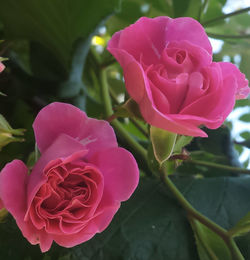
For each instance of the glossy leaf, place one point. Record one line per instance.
(209, 244)
(242, 227)
(181, 142)
(55, 24)
(245, 118)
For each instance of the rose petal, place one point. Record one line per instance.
(13, 181)
(85, 234)
(146, 39)
(45, 241)
(61, 118)
(186, 28)
(104, 219)
(168, 122)
(174, 90)
(160, 100)
(120, 172)
(133, 73)
(229, 69)
(219, 100)
(195, 58)
(62, 147)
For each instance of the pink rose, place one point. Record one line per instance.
(169, 72)
(76, 186)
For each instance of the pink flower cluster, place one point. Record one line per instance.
(169, 72)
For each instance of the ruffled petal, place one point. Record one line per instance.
(145, 38)
(62, 147)
(61, 118)
(13, 183)
(186, 28)
(120, 172)
(133, 73)
(168, 122)
(228, 70)
(75, 239)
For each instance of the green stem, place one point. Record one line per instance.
(116, 124)
(105, 94)
(227, 36)
(190, 209)
(130, 141)
(235, 250)
(203, 6)
(222, 17)
(219, 166)
(192, 212)
(139, 127)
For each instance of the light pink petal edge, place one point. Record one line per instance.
(61, 118)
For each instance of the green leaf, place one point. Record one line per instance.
(209, 244)
(181, 142)
(242, 227)
(129, 109)
(56, 24)
(6, 128)
(193, 9)
(7, 132)
(245, 118)
(212, 10)
(163, 143)
(220, 143)
(180, 7)
(245, 135)
(218, 147)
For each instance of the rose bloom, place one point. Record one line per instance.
(169, 72)
(76, 186)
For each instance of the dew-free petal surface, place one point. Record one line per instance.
(61, 118)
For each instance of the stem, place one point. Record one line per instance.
(220, 166)
(105, 94)
(234, 249)
(116, 124)
(222, 17)
(108, 63)
(203, 6)
(139, 127)
(228, 36)
(111, 118)
(130, 141)
(192, 212)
